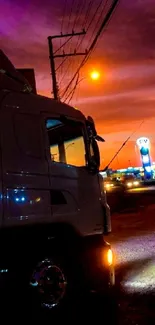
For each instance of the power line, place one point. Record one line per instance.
(71, 93)
(88, 12)
(96, 11)
(77, 14)
(103, 24)
(69, 66)
(63, 17)
(92, 44)
(69, 20)
(63, 44)
(60, 65)
(94, 41)
(79, 20)
(85, 20)
(124, 143)
(70, 61)
(100, 16)
(73, 2)
(77, 92)
(108, 15)
(52, 58)
(92, 21)
(62, 24)
(108, 22)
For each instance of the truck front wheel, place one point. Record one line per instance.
(54, 287)
(49, 282)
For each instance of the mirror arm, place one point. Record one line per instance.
(98, 138)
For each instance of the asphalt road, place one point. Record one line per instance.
(132, 200)
(133, 242)
(144, 189)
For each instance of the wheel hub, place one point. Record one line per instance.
(50, 282)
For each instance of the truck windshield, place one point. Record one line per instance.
(66, 142)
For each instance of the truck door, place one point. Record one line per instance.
(25, 168)
(75, 191)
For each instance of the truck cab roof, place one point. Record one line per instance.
(36, 103)
(19, 93)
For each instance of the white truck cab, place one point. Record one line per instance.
(53, 209)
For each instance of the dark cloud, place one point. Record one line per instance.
(126, 110)
(129, 36)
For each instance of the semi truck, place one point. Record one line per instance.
(53, 208)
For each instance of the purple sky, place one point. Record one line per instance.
(125, 55)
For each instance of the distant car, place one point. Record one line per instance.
(108, 186)
(116, 184)
(132, 183)
(112, 185)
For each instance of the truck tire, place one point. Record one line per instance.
(54, 288)
(43, 288)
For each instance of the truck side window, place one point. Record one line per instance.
(66, 142)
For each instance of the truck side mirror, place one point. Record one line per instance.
(93, 138)
(93, 166)
(91, 124)
(94, 161)
(96, 153)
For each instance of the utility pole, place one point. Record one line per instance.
(53, 56)
(52, 65)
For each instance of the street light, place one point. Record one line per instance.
(95, 75)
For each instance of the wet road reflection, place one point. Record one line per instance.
(139, 255)
(133, 242)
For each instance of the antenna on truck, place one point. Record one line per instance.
(124, 143)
